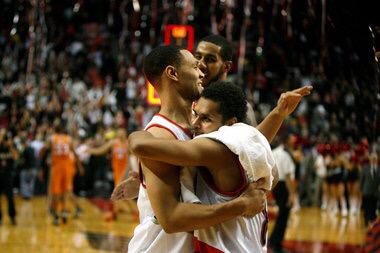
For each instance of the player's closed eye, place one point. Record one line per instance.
(206, 119)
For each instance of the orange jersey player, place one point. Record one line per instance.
(119, 149)
(60, 163)
(61, 146)
(119, 159)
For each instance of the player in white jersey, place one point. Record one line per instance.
(149, 236)
(174, 73)
(221, 178)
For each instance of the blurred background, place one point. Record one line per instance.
(79, 63)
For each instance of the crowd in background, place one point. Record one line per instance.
(86, 73)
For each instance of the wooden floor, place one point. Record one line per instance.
(309, 230)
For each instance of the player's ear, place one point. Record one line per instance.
(171, 72)
(231, 121)
(227, 66)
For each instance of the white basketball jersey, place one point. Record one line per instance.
(149, 236)
(238, 235)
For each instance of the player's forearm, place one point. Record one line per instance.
(189, 217)
(276, 177)
(271, 124)
(99, 151)
(144, 145)
(290, 185)
(138, 142)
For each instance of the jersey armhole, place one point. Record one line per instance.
(141, 174)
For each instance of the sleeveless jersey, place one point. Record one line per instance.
(149, 236)
(60, 148)
(119, 154)
(239, 235)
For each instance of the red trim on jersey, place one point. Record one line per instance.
(210, 182)
(264, 229)
(201, 247)
(141, 175)
(186, 131)
(193, 105)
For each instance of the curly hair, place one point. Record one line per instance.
(231, 99)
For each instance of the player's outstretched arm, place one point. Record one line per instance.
(286, 104)
(196, 152)
(104, 149)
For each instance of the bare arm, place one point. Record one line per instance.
(292, 190)
(78, 163)
(276, 177)
(197, 152)
(102, 149)
(163, 190)
(286, 104)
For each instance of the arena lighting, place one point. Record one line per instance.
(152, 97)
(181, 35)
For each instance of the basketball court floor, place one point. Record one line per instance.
(309, 230)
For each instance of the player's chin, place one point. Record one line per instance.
(197, 93)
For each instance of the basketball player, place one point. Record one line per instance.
(215, 53)
(220, 178)
(176, 77)
(119, 148)
(71, 171)
(61, 145)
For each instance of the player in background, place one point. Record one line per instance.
(60, 144)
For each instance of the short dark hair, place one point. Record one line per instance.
(158, 59)
(231, 99)
(226, 49)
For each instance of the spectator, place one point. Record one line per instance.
(369, 184)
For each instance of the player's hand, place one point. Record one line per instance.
(127, 189)
(288, 101)
(291, 200)
(260, 184)
(88, 151)
(254, 200)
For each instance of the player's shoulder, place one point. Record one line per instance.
(159, 131)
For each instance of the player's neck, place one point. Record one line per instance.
(223, 77)
(177, 109)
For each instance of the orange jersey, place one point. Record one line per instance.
(119, 154)
(119, 159)
(70, 171)
(60, 147)
(60, 163)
